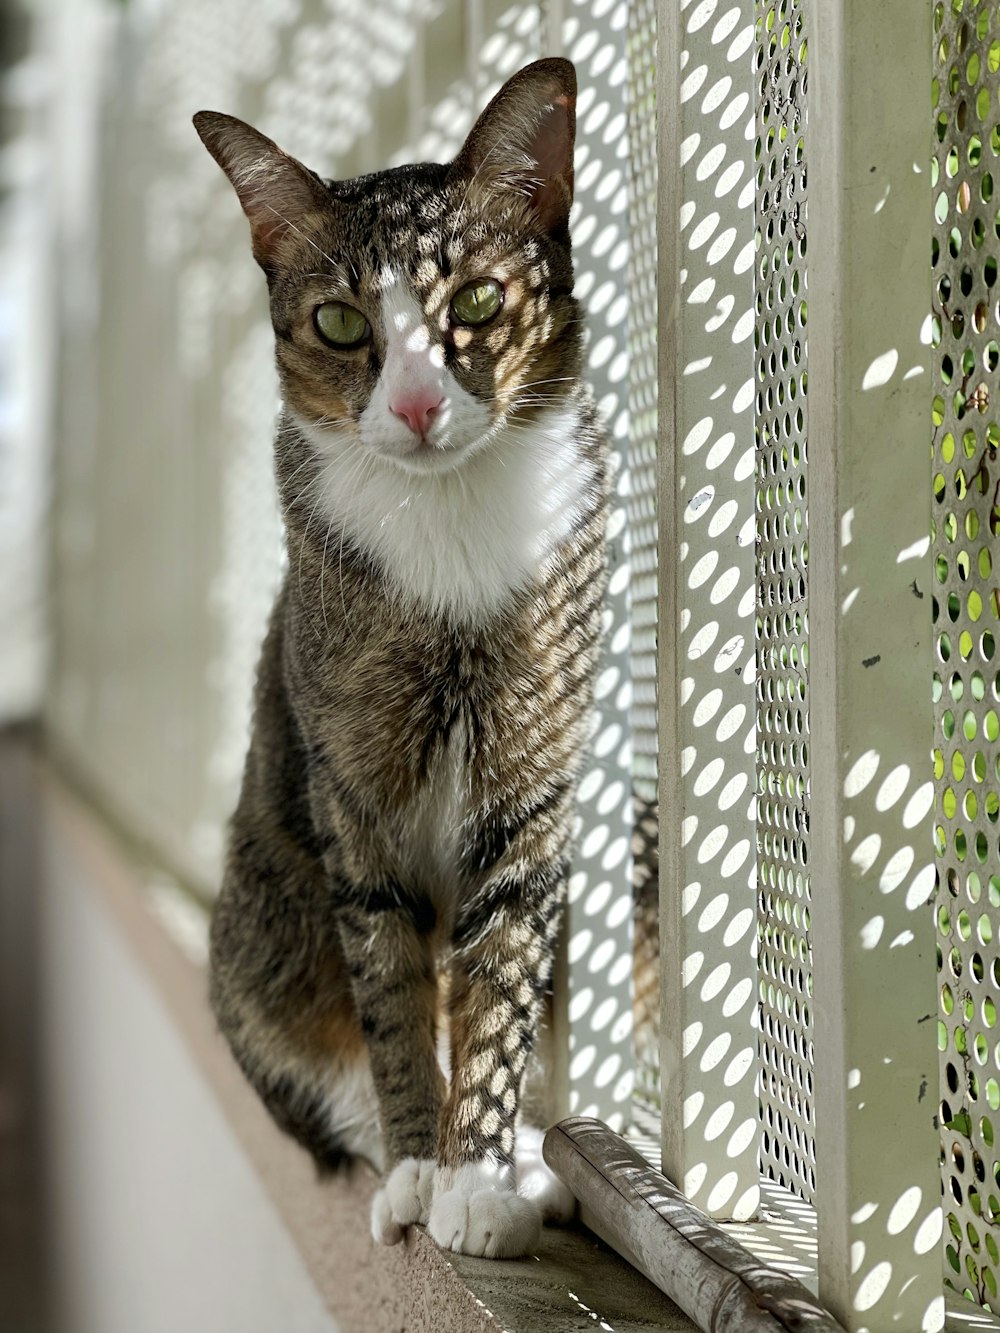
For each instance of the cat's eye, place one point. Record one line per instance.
(341, 325)
(477, 302)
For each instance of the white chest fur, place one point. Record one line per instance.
(431, 828)
(459, 542)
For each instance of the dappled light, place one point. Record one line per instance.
(601, 1072)
(710, 1038)
(169, 540)
(742, 784)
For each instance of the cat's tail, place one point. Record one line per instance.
(332, 1113)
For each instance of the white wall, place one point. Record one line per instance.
(160, 1224)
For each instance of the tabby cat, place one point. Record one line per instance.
(400, 847)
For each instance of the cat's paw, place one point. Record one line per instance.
(536, 1180)
(404, 1199)
(471, 1217)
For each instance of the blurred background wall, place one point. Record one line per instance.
(26, 359)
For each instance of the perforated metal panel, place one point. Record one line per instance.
(642, 388)
(966, 608)
(642, 395)
(706, 649)
(599, 919)
(785, 983)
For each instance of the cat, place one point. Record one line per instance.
(402, 836)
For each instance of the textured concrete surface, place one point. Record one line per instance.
(574, 1283)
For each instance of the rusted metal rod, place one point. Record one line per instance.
(637, 1211)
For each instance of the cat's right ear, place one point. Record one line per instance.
(523, 142)
(277, 192)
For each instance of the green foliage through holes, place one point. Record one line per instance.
(965, 418)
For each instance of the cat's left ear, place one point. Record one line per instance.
(278, 193)
(523, 141)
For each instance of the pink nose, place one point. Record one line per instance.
(416, 410)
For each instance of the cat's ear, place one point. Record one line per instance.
(276, 191)
(524, 139)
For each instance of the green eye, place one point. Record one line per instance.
(340, 325)
(477, 302)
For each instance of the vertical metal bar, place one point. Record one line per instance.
(706, 637)
(878, 1192)
(598, 967)
(642, 523)
(966, 612)
(643, 416)
(788, 1110)
(553, 18)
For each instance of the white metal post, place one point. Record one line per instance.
(878, 1192)
(966, 607)
(598, 967)
(706, 616)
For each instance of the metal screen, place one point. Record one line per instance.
(642, 386)
(788, 1150)
(966, 610)
(599, 920)
(842, 861)
(706, 462)
(642, 393)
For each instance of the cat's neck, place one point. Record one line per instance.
(463, 543)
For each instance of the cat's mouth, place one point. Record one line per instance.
(429, 456)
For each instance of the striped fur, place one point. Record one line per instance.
(402, 838)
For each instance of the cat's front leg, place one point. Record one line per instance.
(503, 961)
(391, 966)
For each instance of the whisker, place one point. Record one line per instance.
(292, 504)
(556, 379)
(285, 482)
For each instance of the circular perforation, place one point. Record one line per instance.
(780, 347)
(966, 608)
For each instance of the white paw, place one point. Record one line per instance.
(404, 1199)
(494, 1223)
(536, 1181)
